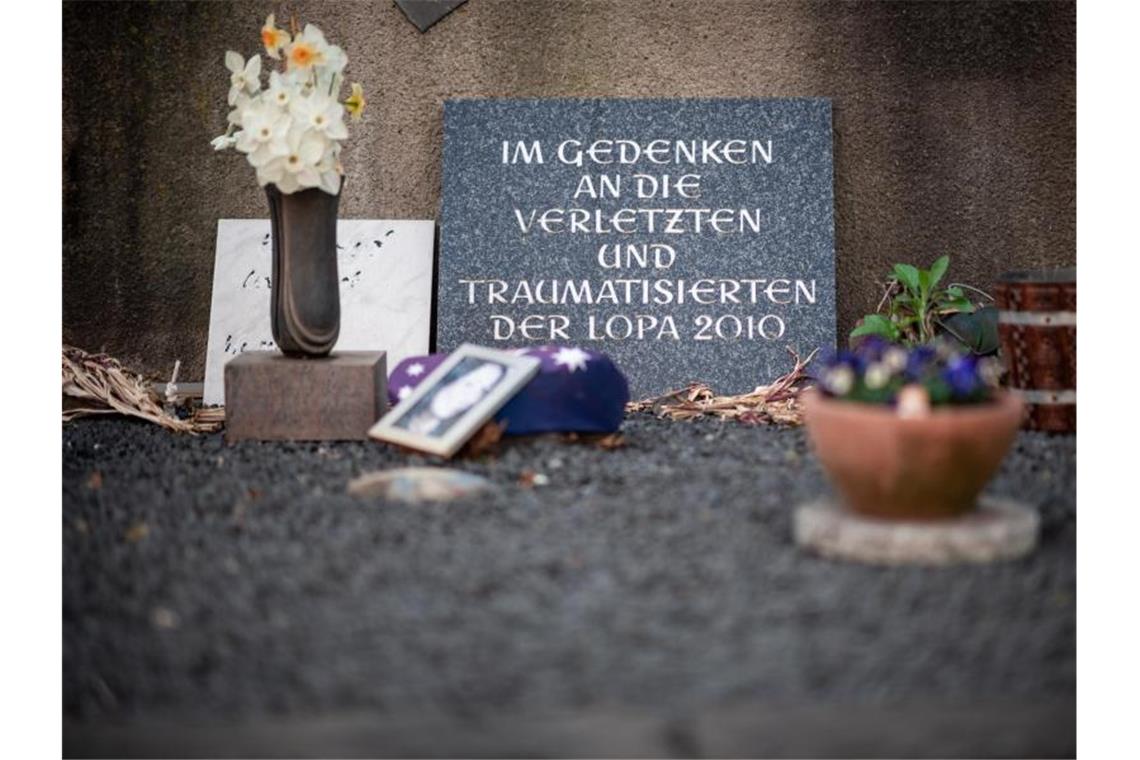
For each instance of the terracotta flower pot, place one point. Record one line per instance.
(915, 468)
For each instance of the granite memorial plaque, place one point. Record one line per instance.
(385, 269)
(690, 239)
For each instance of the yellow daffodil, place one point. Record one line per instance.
(273, 38)
(355, 102)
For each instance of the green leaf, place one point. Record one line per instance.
(903, 304)
(924, 281)
(954, 292)
(958, 305)
(876, 324)
(908, 276)
(938, 269)
(977, 331)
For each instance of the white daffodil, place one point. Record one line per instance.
(221, 142)
(264, 128)
(307, 50)
(330, 168)
(299, 165)
(320, 113)
(335, 59)
(330, 181)
(271, 173)
(245, 76)
(239, 105)
(280, 89)
(273, 39)
(291, 132)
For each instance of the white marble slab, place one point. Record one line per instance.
(385, 267)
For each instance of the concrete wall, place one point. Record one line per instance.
(955, 128)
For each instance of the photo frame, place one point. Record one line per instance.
(455, 400)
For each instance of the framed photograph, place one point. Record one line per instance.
(454, 401)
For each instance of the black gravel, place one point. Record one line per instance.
(202, 579)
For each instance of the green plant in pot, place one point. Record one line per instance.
(916, 309)
(910, 433)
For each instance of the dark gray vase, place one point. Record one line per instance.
(305, 292)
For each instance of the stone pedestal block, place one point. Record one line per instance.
(270, 396)
(998, 529)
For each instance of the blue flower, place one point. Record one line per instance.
(961, 374)
(845, 358)
(920, 362)
(871, 348)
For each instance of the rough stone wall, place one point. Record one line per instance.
(955, 128)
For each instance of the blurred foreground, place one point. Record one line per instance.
(646, 601)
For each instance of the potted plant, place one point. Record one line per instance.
(291, 133)
(910, 433)
(916, 309)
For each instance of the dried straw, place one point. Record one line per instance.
(777, 403)
(103, 386)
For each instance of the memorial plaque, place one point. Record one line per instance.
(692, 240)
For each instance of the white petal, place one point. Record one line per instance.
(330, 182)
(253, 68)
(294, 135)
(335, 58)
(336, 130)
(278, 147)
(312, 148)
(299, 108)
(262, 156)
(308, 177)
(245, 143)
(269, 173)
(234, 61)
(288, 183)
(314, 35)
(281, 128)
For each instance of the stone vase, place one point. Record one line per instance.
(911, 468)
(305, 289)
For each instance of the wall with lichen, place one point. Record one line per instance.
(955, 127)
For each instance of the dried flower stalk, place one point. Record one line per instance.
(106, 387)
(777, 403)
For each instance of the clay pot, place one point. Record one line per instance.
(918, 468)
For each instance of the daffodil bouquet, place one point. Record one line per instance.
(291, 132)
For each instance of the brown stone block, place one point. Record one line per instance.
(270, 396)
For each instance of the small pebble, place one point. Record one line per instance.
(164, 618)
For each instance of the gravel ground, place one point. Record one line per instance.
(204, 580)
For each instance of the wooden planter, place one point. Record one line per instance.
(1037, 323)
